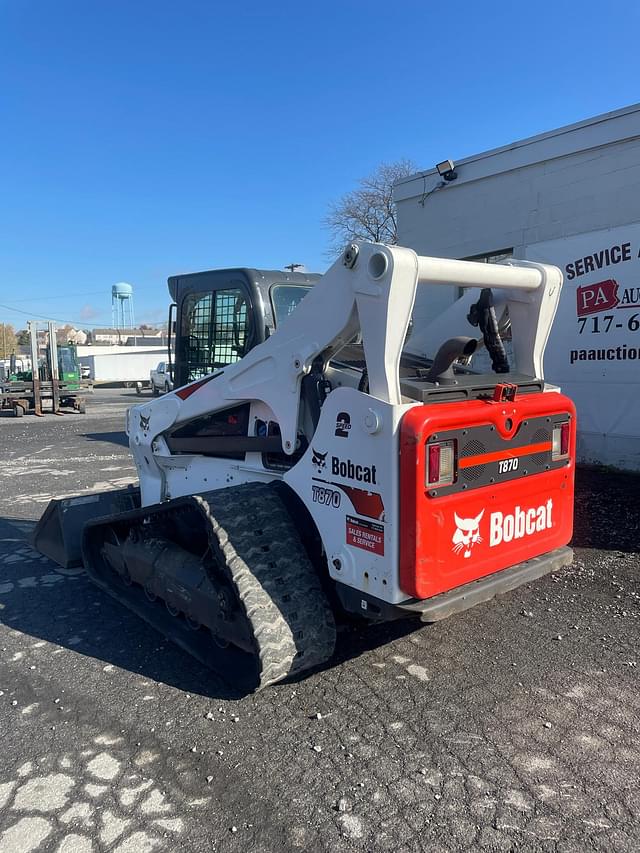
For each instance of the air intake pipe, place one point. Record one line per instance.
(442, 368)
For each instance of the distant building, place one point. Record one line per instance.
(127, 337)
(70, 335)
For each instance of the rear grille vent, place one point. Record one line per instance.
(539, 437)
(470, 474)
(472, 448)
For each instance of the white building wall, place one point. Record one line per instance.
(526, 197)
(585, 191)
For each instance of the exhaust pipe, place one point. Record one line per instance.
(441, 370)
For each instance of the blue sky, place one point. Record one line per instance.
(141, 139)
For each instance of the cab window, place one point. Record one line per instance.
(216, 330)
(285, 298)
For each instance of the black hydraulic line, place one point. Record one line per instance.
(483, 314)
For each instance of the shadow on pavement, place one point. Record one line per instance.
(109, 437)
(64, 607)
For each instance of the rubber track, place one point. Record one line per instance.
(255, 538)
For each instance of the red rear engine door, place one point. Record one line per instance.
(506, 494)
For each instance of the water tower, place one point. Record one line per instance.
(122, 305)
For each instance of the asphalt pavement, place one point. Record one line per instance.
(513, 726)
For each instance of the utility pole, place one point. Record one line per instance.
(293, 267)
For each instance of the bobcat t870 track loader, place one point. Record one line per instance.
(341, 464)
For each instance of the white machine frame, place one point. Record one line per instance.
(369, 291)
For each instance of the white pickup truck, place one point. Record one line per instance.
(161, 381)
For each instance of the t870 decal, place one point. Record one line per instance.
(326, 497)
(364, 502)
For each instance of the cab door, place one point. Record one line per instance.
(215, 327)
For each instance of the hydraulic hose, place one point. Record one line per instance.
(483, 314)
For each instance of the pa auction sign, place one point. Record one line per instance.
(594, 348)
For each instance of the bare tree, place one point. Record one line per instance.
(7, 340)
(63, 333)
(368, 212)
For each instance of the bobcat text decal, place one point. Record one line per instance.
(503, 527)
(345, 468)
(523, 522)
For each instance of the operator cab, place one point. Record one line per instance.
(222, 314)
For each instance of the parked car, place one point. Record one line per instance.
(161, 381)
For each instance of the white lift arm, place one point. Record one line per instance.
(370, 289)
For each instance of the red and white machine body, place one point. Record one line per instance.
(412, 496)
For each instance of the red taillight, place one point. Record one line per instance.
(434, 463)
(441, 463)
(560, 441)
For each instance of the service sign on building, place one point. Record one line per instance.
(594, 349)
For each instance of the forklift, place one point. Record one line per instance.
(54, 377)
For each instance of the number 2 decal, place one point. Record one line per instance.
(506, 465)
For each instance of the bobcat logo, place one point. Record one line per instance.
(467, 533)
(319, 460)
(144, 423)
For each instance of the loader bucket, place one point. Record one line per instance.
(58, 534)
